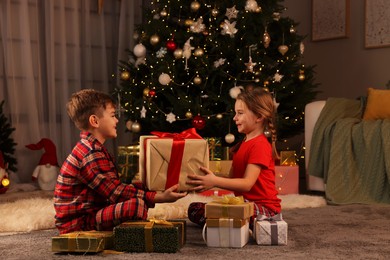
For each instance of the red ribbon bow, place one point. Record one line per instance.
(186, 134)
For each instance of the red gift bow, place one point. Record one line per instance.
(177, 150)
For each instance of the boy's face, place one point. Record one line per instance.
(106, 127)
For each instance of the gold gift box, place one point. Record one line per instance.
(237, 211)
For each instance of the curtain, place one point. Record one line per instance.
(50, 49)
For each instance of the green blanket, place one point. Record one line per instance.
(351, 154)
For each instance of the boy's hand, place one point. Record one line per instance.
(169, 195)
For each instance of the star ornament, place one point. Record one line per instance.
(231, 13)
(278, 77)
(229, 28)
(250, 65)
(143, 112)
(171, 117)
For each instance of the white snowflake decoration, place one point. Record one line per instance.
(143, 112)
(171, 117)
(231, 13)
(229, 28)
(278, 77)
(161, 52)
(219, 62)
(198, 26)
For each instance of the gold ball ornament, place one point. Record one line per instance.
(188, 114)
(301, 75)
(188, 22)
(146, 92)
(219, 116)
(195, 5)
(125, 75)
(283, 49)
(215, 12)
(178, 53)
(197, 80)
(5, 182)
(136, 127)
(198, 52)
(154, 39)
(229, 138)
(163, 12)
(128, 124)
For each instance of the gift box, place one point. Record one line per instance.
(215, 148)
(158, 236)
(270, 231)
(226, 232)
(220, 168)
(166, 159)
(83, 241)
(128, 158)
(287, 179)
(229, 207)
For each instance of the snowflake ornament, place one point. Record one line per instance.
(171, 117)
(219, 62)
(198, 26)
(278, 77)
(229, 28)
(161, 52)
(231, 13)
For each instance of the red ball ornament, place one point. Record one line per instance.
(171, 45)
(152, 93)
(198, 122)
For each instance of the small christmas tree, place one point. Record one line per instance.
(7, 144)
(193, 57)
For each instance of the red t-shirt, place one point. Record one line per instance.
(258, 151)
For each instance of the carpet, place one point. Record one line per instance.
(33, 210)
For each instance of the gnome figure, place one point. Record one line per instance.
(4, 181)
(47, 170)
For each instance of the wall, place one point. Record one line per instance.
(344, 67)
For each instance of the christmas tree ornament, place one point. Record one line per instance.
(278, 77)
(125, 75)
(214, 12)
(250, 65)
(219, 116)
(143, 112)
(283, 49)
(161, 52)
(302, 48)
(164, 79)
(266, 39)
(229, 28)
(301, 75)
(251, 6)
(292, 29)
(229, 138)
(234, 91)
(171, 117)
(198, 52)
(139, 50)
(197, 80)
(136, 36)
(276, 16)
(154, 39)
(178, 53)
(163, 12)
(152, 93)
(188, 22)
(231, 13)
(171, 45)
(198, 122)
(198, 26)
(188, 114)
(195, 5)
(128, 124)
(146, 92)
(187, 51)
(136, 127)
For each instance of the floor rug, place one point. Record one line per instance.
(37, 213)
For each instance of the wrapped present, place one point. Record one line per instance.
(128, 158)
(83, 241)
(166, 159)
(226, 232)
(150, 236)
(220, 168)
(229, 207)
(215, 148)
(287, 179)
(272, 231)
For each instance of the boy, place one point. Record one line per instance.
(88, 194)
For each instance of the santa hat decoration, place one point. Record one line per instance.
(50, 154)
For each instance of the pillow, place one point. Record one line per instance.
(378, 104)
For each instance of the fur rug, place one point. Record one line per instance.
(25, 215)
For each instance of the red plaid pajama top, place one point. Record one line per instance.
(88, 181)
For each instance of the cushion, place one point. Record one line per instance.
(378, 104)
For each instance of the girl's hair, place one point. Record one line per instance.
(261, 103)
(85, 103)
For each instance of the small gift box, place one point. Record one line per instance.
(128, 158)
(229, 207)
(287, 179)
(226, 232)
(215, 148)
(83, 241)
(158, 236)
(272, 231)
(166, 159)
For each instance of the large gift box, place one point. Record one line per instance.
(287, 179)
(226, 232)
(271, 231)
(229, 207)
(128, 158)
(83, 241)
(158, 236)
(166, 159)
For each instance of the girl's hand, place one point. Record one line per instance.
(202, 183)
(169, 195)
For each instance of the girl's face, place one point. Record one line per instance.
(246, 121)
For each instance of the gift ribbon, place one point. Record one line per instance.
(177, 151)
(228, 200)
(274, 227)
(74, 244)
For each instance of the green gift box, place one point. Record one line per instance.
(158, 236)
(128, 160)
(83, 241)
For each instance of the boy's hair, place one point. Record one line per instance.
(85, 103)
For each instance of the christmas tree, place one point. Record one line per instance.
(193, 57)
(7, 144)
